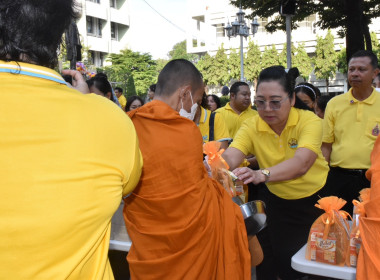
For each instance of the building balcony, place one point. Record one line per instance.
(96, 10)
(120, 16)
(97, 44)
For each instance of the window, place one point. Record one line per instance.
(94, 26)
(113, 3)
(114, 31)
(90, 25)
(220, 30)
(92, 57)
(308, 22)
(100, 27)
(101, 59)
(262, 22)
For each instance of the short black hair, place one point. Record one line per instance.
(130, 101)
(286, 79)
(119, 89)
(308, 89)
(31, 30)
(101, 83)
(369, 54)
(152, 87)
(235, 87)
(322, 102)
(177, 73)
(277, 73)
(216, 100)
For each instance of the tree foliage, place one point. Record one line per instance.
(234, 65)
(325, 60)
(180, 51)
(351, 17)
(205, 66)
(300, 59)
(342, 64)
(303, 62)
(282, 58)
(141, 67)
(252, 62)
(375, 44)
(220, 74)
(270, 57)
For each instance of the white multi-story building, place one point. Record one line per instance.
(103, 27)
(205, 33)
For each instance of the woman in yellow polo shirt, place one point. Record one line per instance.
(287, 144)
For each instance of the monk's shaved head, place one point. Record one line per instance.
(178, 73)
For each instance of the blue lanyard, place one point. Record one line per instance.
(32, 74)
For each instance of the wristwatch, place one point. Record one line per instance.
(266, 172)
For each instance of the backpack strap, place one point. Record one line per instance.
(211, 127)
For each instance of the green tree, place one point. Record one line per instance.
(220, 68)
(283, 57)
(131, 88)
(252, 63)
(270, 57)
(325, 60)
(351, 17)
(127, 65)
(161, 64)
(205, 66)
(375, 44)
(180, 51)
(303, 62)
(234, 65)
(342, 61)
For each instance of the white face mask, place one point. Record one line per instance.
(193, 110)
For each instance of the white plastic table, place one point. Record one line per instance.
(120, 245)
(301, 264)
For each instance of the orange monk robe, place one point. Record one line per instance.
(183, 224)
(368, 266)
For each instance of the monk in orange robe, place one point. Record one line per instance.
(368, 266)
(183, 224)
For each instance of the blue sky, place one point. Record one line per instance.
(152, 33)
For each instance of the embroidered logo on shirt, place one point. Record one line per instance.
(376, 130)
(293, 143)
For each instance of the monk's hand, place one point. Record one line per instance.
(247, 175)
(78, 81)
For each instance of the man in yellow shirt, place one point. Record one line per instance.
(211, 124)
(120, 96)
(350, 128)
(64, 167)
(238, 109)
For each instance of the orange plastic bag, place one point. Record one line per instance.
(355, 239)
(219, 168)
(329, 234)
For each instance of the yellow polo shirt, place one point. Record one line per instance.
(220, 130)
(303, 130)
(352, 127)
(122, 101)
(233, 120)
(66, 160)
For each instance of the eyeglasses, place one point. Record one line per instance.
(273, 104)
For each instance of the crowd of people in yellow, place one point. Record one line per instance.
(69, 156)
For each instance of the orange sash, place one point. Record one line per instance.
(183, 225)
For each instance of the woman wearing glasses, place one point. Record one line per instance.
(287, 144)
